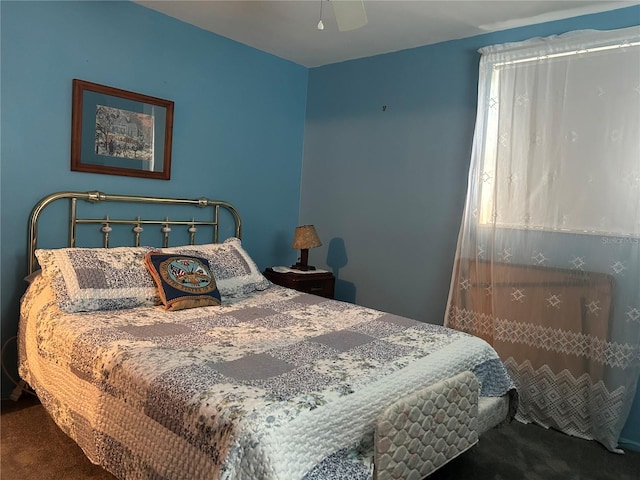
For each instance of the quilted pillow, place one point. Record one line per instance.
(234, 270)
(184, 281)
(90, 279)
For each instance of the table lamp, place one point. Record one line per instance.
(305, 237)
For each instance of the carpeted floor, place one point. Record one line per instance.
(34, 448)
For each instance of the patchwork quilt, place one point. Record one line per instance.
(275, 385)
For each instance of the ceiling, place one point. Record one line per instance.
(287, 28)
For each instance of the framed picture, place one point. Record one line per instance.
(120, 133)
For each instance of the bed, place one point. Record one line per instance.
(248, 381)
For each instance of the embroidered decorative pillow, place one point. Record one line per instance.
(184, 281)
(234, 270)
(90, 279)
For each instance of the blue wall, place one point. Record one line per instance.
(238, 126)
(385, 187)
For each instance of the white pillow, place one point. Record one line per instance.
(234, 270)
(90, 279)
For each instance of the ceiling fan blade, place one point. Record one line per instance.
(350, 14)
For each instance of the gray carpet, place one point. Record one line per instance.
(34, 448)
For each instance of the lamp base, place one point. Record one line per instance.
(303, 267)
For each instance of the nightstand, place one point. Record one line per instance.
(317, 283)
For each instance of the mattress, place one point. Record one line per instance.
(273, 385)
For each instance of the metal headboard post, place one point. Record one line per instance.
(137, 222)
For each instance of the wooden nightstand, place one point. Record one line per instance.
(321, 283)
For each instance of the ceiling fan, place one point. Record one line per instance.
(350, 14)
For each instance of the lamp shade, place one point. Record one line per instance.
(306, 237)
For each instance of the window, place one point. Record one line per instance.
(561, 145)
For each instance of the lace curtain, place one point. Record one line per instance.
(547, 268)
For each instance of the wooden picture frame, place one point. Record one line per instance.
(117, 132)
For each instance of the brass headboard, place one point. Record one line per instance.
(137, 223)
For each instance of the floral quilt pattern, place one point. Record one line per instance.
(266, 386)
